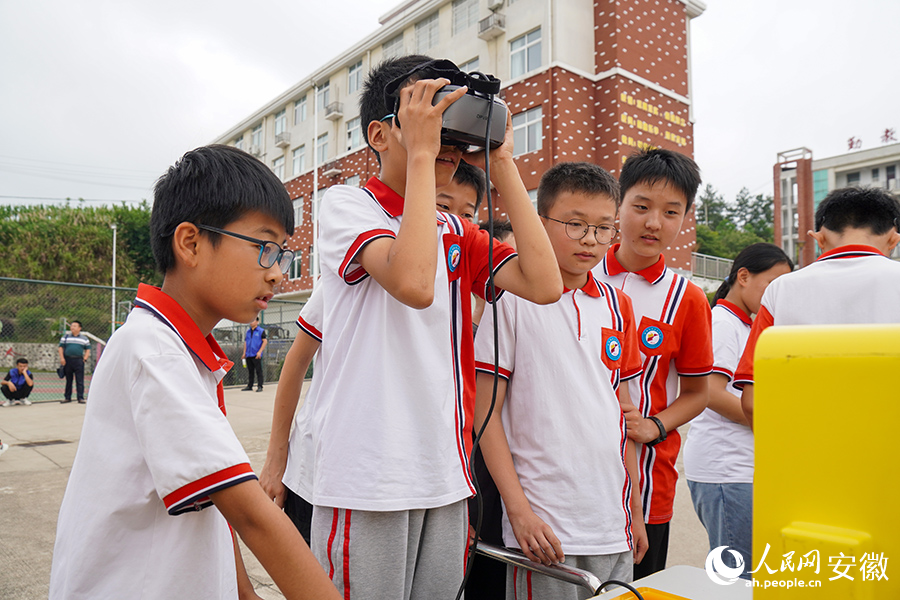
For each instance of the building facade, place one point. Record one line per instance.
(585, 80)
(801, 183)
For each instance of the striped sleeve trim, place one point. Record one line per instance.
(487, 284)
(195, 495)
(357, 273)
(488, 369)
(698, 373)
(632, 375)
(309, 329)
(740, 383)
(723, 371)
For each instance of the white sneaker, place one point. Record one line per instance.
(17, 402)
(5, 403)
(3, 447)
(26, 402)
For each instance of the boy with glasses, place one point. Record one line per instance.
(555, 443)
(160, 481)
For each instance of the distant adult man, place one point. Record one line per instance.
(17, 385)
(254, 343)
(74, 351)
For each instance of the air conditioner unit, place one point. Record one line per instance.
(255, 150)
(331, 170)
(283, 140)
(334, 111)
(491, 26)
(495, 5)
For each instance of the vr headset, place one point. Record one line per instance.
(465, 121)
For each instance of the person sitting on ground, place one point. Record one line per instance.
(17, 384)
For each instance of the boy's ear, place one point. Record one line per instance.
(893, 240)
(185, 244)
(819, 236)
(379, 132)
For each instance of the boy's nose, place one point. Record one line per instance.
(653, 221)
(274, 274)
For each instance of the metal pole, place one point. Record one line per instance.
(112, 323)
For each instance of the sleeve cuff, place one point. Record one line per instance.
(195, 495)
(723, 371)
(354, 273)
(487, 284)
(309, 329)
(631, 376)
(695, 373)
(488, 369)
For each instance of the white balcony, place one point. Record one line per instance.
(334, 111)
(283, 139)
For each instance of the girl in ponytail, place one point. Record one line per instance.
(718, 454)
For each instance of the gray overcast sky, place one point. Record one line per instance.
(98, 97)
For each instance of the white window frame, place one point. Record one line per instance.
(296, 270)
(239, 143)
(256, 136)
(278, 167)
(300, 110)
(470, 65)
(393, 47)
(465, 14)
(354, 77)
(353, 181)
(322, 149)
(298, 211)
(281, 121)
(523, 53)
(428, 33)
(323, 96)
(529, 121)
(354, 133)
(298, 159)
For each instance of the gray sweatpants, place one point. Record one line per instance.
(402, 555)
(522, 584)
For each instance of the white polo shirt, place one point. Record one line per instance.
(717, 449)
(561, 416)
(389, 421)
(136, 520)
(847, 285)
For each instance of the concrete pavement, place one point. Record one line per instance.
(43, 439)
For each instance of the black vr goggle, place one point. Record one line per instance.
(464, 121)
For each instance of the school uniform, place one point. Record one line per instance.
(847, 285)
(136, 520)
(389, 420)
(673, 318)
(718, 454)
(563, 422)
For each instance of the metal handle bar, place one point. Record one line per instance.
(585, 579)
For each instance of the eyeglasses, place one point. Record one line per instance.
(576, 229)
(270, 253)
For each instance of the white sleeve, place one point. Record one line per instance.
(506, 338)
(311, 315)
(727, 348)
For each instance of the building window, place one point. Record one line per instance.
(465, 14)
(427, 34)
(354, 134)
(525, 53)
(533, 195)
(852, 178)
(469, 66)
(278, 167)
(239, 143)
(527, 131)
(280, 121)
(890, 176)
(300, 110)
(296, 271)
(298, 212)
(256, 136)
(323, 96)
(354, 78)
(322, 148)
(875, 174)
(393, 47)
(352, 181)
(299, 159)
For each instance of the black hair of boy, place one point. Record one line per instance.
(575, 178)
(213, 185)
(22, 361)
(76, 321)
(502, 229)
(371, 101)
(858, 208)
(473, 177)
(756, 258)
(657, 165)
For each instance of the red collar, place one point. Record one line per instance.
(390, 201)
(734, 309)
(170, 312)
(653, 274)
(850, 251)
(590, 288)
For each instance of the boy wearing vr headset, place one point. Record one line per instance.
(390, 476)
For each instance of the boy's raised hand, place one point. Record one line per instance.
(536, 538)
(419, 119)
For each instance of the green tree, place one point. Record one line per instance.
(753, 214)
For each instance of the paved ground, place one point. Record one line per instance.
(33, 473)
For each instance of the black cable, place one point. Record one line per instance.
(492, 294)
(621, 584)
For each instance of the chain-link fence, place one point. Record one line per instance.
(34, 315)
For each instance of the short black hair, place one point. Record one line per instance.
(575, 177)
(371, 101)
(213, 185)
(655, 165)
(502, 229)
(860, 208)
(473, 177)
(22, 361)
(76, 321)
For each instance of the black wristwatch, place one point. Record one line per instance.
(662, 432)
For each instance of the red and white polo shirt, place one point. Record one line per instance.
(850, 284)
(562, 418)
(136, 520)
(390, 422)
(674, 334)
